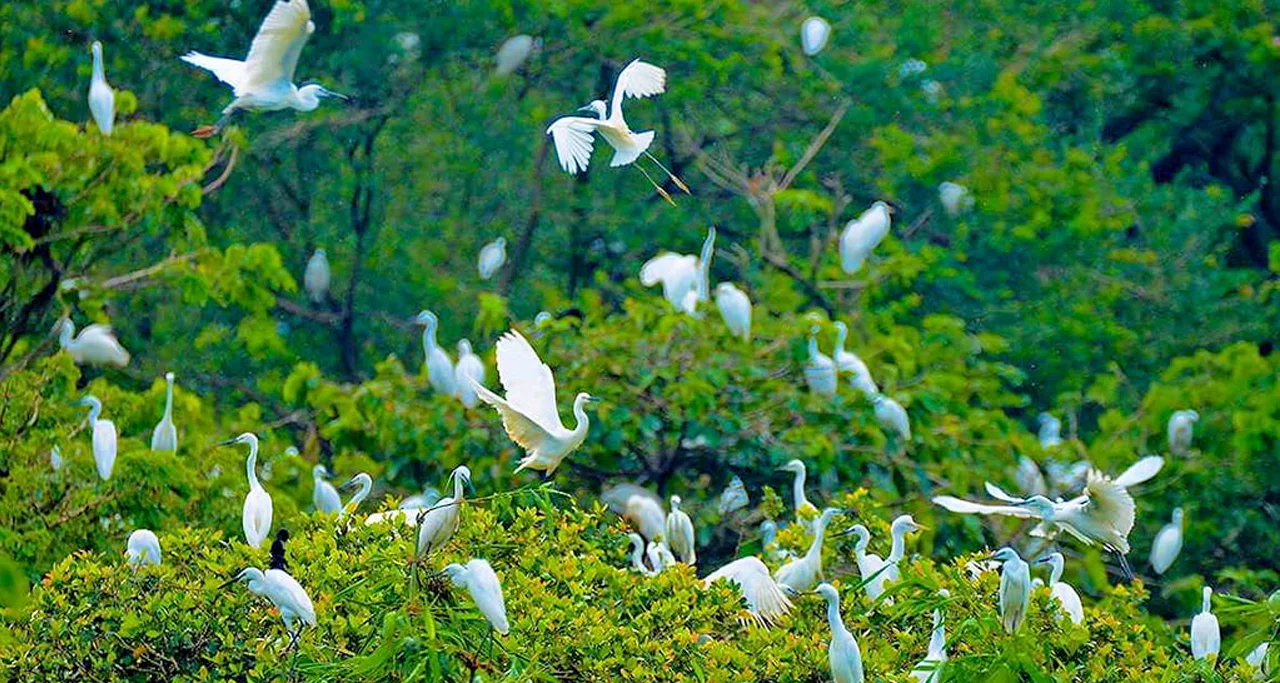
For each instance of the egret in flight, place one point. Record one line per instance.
(1206, 638)
(849, 362)
(955, 198)
(363, 484)
(1050, 434)
(862, 235)
(820, 371)
(813, 35)
(492, 256)
(315, 279)
(165, 436)
(104, 437)
(468, 372)
(437, 524)
(256, 517)
(1168, 543)
(95, 345)
(929, 670)
(102, 99)
(143, 548)
(679, 533)
(529, 412)
(735, 309)
(1061, 591)
(685, 279)
(485, 589)
(1181, 426)
(264, 80)
(285, 593)
(805, 511)
(766, 601)
(574, 135)
(323, 494)
(440, 369)
(1015, 589)
(804, 572)
(843, 653)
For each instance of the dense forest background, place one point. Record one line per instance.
(1121, 261)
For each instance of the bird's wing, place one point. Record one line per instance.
(1140, 471)
(1000, 494)
(529, 385)
(574, 138)
(1110, 503)
(764, 598)
(229, 71)
(638, 79)
(967, 507)
(662, 267)
(298, 599)
(273, 56)
(522, 429)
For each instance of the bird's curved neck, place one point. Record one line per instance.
(819, 532)
(899, 547)
(637, 554)
(365, 486)
(457, 489)
(64, 336)
(860, 547)
(168, 399)
(98, 75)
(580, 414)
(1055, 572)
(833, 616)
(938, 641)
(841, 334)
(429, 338)
(813, 347)
(1208, 602)
(251, 464)
(797, 490)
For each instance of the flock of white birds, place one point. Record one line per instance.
(1102, 513)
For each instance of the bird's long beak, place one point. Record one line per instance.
(228, 442)
(921, 527)
(229, 582)
(846, 532)
(1041, 560)
(349, 485)
(337, 95)
(594, 399)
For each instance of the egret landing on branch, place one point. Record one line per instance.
(573, 135)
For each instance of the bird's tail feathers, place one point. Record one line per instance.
(622, 157)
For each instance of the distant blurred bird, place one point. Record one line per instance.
(684, 278)
(55, 458)
(862, 235)
(1206, 638)
(514, 51)
(165, 436)
(1015, 589)
(1181, 426)
(733, 497)
(492, 256)
(95, 345)
(1261, 663)
(820, 371)
(955, 198)
(278, 559)
(805, 572)
(843, 653)
(285, 593)
(805, 511)
(440, 369)
(529, 412)
(264, 80)
(573, 135)
(813, 35)
(849, 363)
(363, 484)
(735, 308)
(1167, 544)
(929, 670)
(256, 518)
(437, 524)
(1061, 591)
(481, 581)
(316, 277)
(102, 99)
(640, 507)
(1050, 431)
(468, 372)
(766, 601)
(143, 548)
(104, 437)
(323, 494)
(679, 533)
(1030, 479)
(893, 419)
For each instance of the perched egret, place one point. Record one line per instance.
(733, 497)
(1061, 591)
(1181, 427)
(820, 371)
(893, 419)
(955, 198)
(468, 372)
(1168, 543)
(929, 670)
(285, 593)
(1015, 589)
(143, 548)
(323, 494)
(638, 555)
(1206, 638)
(437, 524)
(641, 507)
(660, 556)
(440, 370)
(104, 437)
(55, 458)
(102, 99)
(804, 572)
(1257, 658)
(735, 308)
(685, 279)
(513, 53)
(542, 318)
(264, 80)
(870, 565)
(849, 362)
(363, 483)
(256, 518)
(679, 529)
(315, 279)
(813, 35)
(805, 511)
(1050, 431)
(898, 530)
(529, 412)
(862, 235)
(480, 580)
(843, 652)
(766, 601)
(95, 345)
(492, 256)
(165, 436)
(573, 135)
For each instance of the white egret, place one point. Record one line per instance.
(813, 35)
(929, 670)
(264, 80)
(898, 530)
(492, 256)
(805, 572)
(1206, 638)
(849, 362)
(1181, 427)
(285, 593)
(1061, 591)
(1167, 544)
(55, 458)
(256, 518)
(165, 436)
(316, 278)
(440, 369)
(893, 419)
(437, 524)
(573, 135)
(485, 589)
(1029, 477)
(514, 51)
(862, 235)
(1015, 589)
(638, 555)
(1050, 434)
(820, 371)
(870, 565)
(659, 556)
(805, 511)
(733, 497)
(843, 652)
(766, 601)
(529, 412)
(641, 507)
(323, 494)
(735, 308)
(363, 484)
(104, 437)
(679, 533)
(143, 548)
(417, 501)
(955, 198)
(685, 279)
(102, 99)
(95, 345)
(1258, 659)
(468, 372)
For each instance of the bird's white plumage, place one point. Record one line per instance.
(102, 99)
(684, 278)
(467, 373)
(849, 363)
(1258, 659)
(491, 258)
(574, 138)
(733, 497)
(514, 51)
(870, 565)
(1062, 593)
(735, 309)
(572, 135)
(637, 79)
(285, 593)
(1140, 472)
(1015, 589)
(55, 458)
(256, 516)
(1050, 431)
(898, 530)
(1181, 431)
(316, 278)
(165, 435)
(679, 533)
(104, 438)
(929, 670)
(955, 198)
(441, 372)
(842, 654)
(273, 55)
(482, 583)
(437, 524)
(892, 416)
(1167, 544)
(805, 572)
(143, 548)
(765, 599)
(1206, 637)
(862, 235)
(95, 345)
(820, 371)
(323, 495)
(813, 35)
(639, 506)
(805, 510)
